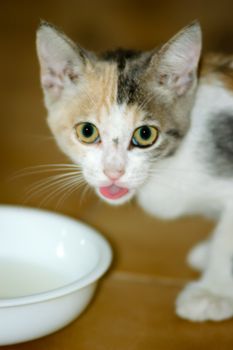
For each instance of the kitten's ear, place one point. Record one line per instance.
(61, 61)
(177, 61)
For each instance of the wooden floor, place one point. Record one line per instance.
(134, 307)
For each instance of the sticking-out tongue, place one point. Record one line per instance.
(113, 191)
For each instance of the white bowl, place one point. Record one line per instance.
(49, 267)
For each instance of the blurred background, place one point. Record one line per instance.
(142, 244)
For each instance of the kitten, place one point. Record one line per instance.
(154, 125)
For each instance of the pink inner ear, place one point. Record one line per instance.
(54, 80)
(180, 72)
(179, 62)
(186, 73)
(183, 82)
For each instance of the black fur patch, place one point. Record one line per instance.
(120, 56)
(127, 89)
(130, 64)
(222, 139)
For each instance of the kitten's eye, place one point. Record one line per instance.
(87, 133)
(144, 136)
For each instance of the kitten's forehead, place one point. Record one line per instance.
(97, 92)
(98, 100)
(130, 66)
(120, 120)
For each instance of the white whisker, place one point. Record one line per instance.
(50, 179)
(84, 192)
(43, 169)
(45, 185)
(57, 191)
(72, 187)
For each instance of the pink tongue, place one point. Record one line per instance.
(113, 191)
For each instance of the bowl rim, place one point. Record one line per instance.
(92, 276)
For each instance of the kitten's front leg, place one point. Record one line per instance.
(199, 255)
(211, 298)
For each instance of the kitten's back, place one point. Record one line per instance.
(218, 67)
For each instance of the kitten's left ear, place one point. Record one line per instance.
(62, 62)
(177, 61)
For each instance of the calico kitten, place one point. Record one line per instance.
(154, 125)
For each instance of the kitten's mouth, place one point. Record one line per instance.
(113, 192)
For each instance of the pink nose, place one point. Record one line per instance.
(114, 174)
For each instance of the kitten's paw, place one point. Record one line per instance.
(198, 256)
(198, 304)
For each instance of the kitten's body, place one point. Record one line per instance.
(187, 169)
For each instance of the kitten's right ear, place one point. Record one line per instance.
(177, 61)
(61, 61)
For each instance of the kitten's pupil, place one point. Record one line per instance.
(145, 133)
(88, 130)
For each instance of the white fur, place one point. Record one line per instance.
(182, 185)
(198, 257)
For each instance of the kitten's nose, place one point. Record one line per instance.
(114, 174)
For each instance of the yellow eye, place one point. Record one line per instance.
(87, 133)
(144, 136)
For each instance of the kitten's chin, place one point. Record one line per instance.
(115, 195)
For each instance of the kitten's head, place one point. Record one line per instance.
(118, 114)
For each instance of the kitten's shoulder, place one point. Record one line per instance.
(217, 67)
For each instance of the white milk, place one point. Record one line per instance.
(19, 278)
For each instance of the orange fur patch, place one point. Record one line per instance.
(100, 90)
(218, 66)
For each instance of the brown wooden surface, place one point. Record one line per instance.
(134, 306)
